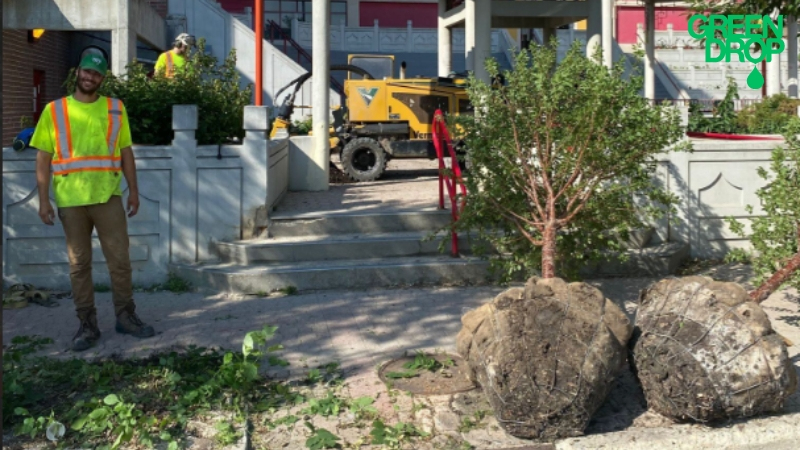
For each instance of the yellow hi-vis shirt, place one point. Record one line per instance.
(169, 63)
(85, 144)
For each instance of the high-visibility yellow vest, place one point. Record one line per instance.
(67, 159)
(170, 63)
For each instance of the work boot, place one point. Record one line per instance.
(129, 323)
(88, 333)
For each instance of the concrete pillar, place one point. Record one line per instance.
(320, 94)
(376, 36)
(607, 32)
(594, 26)
(255, 158)
(445, 47)
(774, 75)
(774, 69)
(792, 54)
(183, 245)
(478, 37)
(650, 49)
(123, 39)
(547, 34)
(409, 36)
(352, 13)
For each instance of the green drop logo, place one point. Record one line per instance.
(755, 80)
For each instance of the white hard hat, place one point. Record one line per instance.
(185, 39)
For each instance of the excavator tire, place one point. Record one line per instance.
(363, 159)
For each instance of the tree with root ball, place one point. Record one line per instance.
(563, 159)
(706, 350)
(558, 154)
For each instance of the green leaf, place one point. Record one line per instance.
(98, 413)
(247, 345)
(80, 423)
(250, 371)
(111, 399)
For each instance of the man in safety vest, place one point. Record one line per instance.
(85, 140)
(174, 60)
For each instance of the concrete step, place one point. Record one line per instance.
(337, 274)
(338, 247)
(337, 223)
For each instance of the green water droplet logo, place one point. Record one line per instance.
(755, 80)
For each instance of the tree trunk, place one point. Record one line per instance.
(776, 280)
(549, 252)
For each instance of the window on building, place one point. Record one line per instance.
(283, 11)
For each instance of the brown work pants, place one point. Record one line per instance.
(112, 228)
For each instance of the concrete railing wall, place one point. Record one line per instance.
(384, 39)
(191, 197)
(717, 180)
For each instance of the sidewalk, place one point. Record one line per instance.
(360, 329)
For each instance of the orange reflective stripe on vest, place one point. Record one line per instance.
(170, 64)
(65, 161)
(61, 123)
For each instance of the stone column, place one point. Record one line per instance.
(792, 54)
(445, 46)
(183, 248)
(478, 37)
(774, 68)
(320, 103)
(594, 26)
(650, 49)
(352, 13)
(123, 39)
(607, 31)
(774, 75)
(255, 164)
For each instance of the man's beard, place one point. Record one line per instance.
(87, 92)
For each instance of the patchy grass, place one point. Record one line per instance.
(146, 400)
(158, 400)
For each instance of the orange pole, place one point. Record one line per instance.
(259, 26)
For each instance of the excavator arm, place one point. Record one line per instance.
(286, 109)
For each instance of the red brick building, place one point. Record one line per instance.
(33, 74)
(34, 71)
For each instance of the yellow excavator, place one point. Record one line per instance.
(383, 117)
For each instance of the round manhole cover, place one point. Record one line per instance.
(413, 374)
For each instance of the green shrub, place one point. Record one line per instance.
(562, 155)
(301, 127)
(770, 116)
(213, 88)
(775, 234)
(723, 119)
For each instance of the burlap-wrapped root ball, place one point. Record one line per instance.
(545, 355)
(704, 352)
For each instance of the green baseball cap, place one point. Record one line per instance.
(94, 62)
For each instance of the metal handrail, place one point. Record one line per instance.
(441, 137)
(273, 28)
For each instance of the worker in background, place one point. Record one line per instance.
(85, 140)
(174, 60)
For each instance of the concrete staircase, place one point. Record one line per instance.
(340, 251)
